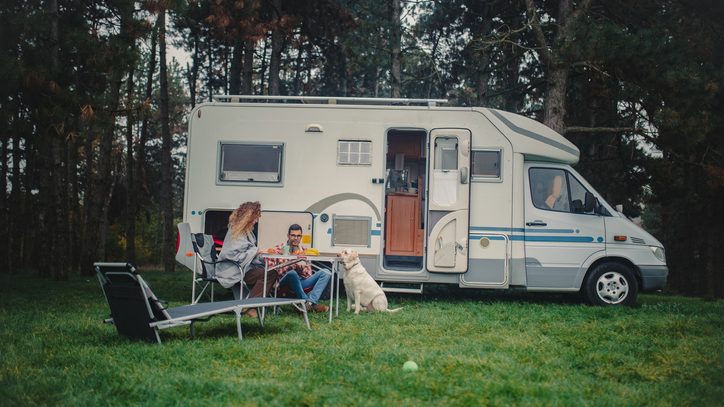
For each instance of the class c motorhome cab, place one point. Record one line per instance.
(476, 197)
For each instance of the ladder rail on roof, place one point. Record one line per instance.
(329, 100)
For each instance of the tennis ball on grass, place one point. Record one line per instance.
(409, 366)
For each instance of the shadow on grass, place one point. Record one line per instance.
(223, 327)
(450, 293)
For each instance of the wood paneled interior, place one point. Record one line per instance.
(411, 146)
(403, 236)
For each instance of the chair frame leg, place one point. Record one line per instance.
(238, 323)
(306, 319)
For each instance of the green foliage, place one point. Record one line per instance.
(472, 348)
(651, 65)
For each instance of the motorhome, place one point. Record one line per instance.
(471, 196)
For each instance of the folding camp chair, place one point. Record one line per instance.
(204, 271)
(204, 266)
(138, 314)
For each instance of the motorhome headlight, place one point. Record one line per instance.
(659, 253)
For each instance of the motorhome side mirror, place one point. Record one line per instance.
(619, 208)
(590, 204)
(577, 206)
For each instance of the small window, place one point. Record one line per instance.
(446, 153)
(351, 231)
(485, 165)
(250, 162)
(351, 152)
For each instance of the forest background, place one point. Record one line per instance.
(93, 109)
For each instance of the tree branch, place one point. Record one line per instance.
(534, 23)
(582, 129)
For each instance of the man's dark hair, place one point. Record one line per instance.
(294, 227)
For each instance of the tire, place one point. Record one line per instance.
(611, 284)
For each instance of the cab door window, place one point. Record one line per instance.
(549, 189)
(557, 190)
(577, 193)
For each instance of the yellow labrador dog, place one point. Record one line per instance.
(360, 286)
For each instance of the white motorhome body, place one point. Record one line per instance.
(425, 194)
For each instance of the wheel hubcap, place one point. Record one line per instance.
(612, 287)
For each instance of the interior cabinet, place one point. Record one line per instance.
(410, 147)
(403, 236)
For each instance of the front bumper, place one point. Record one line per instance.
(653, 277)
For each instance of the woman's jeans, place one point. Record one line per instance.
(318, 280)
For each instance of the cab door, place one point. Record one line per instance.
(448, 201)
(559, 234)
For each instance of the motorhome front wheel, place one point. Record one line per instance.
(611, 284)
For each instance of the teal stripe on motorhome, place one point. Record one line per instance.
(572, 239)
(562, 239)
(521, 230)
(550, 231)
(491, 237)
(496, 229)
(372, 232)
(535, 136)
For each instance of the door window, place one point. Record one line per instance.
(446, 153)
(549, 189)
(557, 190)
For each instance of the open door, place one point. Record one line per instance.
(448, 201)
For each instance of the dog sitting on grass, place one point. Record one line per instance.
(361, 287)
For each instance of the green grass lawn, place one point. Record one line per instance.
(472, 348)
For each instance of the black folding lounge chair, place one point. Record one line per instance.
(138, 314)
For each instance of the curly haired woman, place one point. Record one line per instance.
(240, 248)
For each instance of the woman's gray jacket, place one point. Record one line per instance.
(236, 257)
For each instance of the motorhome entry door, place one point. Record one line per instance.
(448, 201)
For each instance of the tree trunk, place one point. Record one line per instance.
(395, 39)
(4, 201)
(556, 66)
(30, 228)
(17, 208)
(299, 69)
(210, 71)
(74, 219)
(235, 74)
(57, 211)
(130, 173)
(103, 180)
(262, 68)
(277, 40)
(193, 71)
(555, 102)
(140, 185)
(167, 252)
(247, 68)
(89, 199)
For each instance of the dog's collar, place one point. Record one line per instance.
(352, 265)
